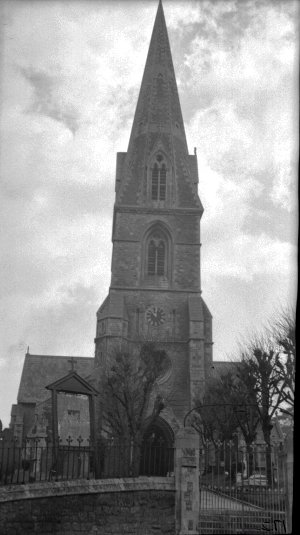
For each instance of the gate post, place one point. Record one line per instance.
(187, 500)
(289, 475)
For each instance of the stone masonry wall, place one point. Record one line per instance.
(130, 512)
(129, 232)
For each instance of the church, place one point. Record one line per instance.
(155, 292)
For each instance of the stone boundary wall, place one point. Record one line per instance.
(132, 506)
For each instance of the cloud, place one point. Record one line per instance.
(46, 101)
(245, 129)
(73, 306)
(62, 323)
(249, 256)
(249, 304)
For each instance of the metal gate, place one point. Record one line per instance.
(242, 489)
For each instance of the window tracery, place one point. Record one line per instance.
(159, 179)
(156, 256)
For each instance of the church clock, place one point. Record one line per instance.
(155, 316)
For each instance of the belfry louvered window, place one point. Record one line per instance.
(159, 179)
(156, 256)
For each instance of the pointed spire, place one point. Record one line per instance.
(158, 126)
(158, 108)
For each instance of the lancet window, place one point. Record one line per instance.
(156, 256)
(159, 179)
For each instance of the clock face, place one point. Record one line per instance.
(155, 316)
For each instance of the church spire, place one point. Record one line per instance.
(158, 109)
(158, 130)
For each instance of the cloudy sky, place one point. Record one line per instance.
(71, 72)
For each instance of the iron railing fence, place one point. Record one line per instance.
(242, 488)
(40, 460)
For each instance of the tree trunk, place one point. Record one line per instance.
(269, 464)
(135, 456)
(267, 437)
(250, 459)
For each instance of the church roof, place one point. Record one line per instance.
(72, 383)
(222, 366)
(41, 370)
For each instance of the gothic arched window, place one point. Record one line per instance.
(156, 256)
(159, 179)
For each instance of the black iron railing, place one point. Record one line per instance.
(238, 493)
(40, 460)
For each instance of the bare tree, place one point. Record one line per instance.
(217, 420)
(244, 397)
(260, 374)
(131, 400)
(229, 407)
(283, 332)
(260, 383)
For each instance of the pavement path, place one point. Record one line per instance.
(214, 500)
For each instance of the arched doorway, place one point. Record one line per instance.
(157, 454)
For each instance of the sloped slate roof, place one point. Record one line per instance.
(41, 370)
(72, 383)
(223, 366)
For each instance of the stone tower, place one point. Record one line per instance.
(155, 290)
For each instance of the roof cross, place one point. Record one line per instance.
(72, 362)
